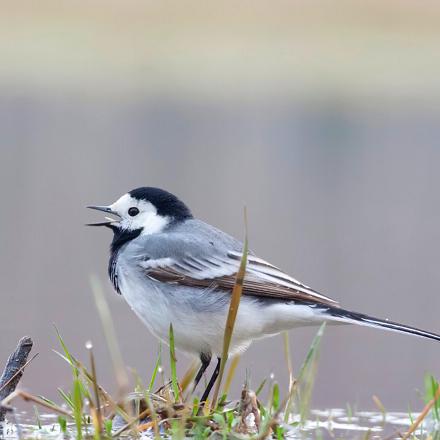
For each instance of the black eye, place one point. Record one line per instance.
(133, 211)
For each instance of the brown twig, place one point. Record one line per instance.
(131, 423)
(14, 370)
(38, 400)
(19, 371)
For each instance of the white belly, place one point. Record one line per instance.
(199, 315)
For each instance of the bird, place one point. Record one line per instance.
(172, 268)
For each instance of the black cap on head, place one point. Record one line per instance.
(166, 203)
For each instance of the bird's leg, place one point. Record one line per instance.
(205, 359)
(211, 382)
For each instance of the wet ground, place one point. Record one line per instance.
(327, 424)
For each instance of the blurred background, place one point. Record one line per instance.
(321, 117)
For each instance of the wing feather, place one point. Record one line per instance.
(262, 278)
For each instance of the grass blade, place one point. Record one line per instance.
(156, 369)
(232, 313)
(37, 417)
(381, 408)
(173, 361)
(314, 347)
(422, 415)
(307, 373)
(231, 373)
(110, 335)
(66, 398)
(189, 375)
(260, 387)
(104, 394)
(434, 387)
(276, 397)
(98, 419)
(69, 357)
(63, 424)
(290, 372)
(77, 407)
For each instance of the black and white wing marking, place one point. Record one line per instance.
(262, 278)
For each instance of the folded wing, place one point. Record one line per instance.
(219, 270)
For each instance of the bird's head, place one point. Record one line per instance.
(147, 209)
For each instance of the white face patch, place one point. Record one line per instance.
(147, 219)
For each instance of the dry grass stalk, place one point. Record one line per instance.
(232, 314)
(422, 415)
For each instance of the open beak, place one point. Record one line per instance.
(110, 222)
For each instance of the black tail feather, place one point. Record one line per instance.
(346, 316)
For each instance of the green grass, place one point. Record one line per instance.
(173, 360)
(168, 410)
(431, 387)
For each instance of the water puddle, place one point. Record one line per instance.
(337, 424)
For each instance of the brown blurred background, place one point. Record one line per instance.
(321, 117)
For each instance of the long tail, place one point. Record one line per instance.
(348, 317)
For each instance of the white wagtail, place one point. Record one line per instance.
(173, 268)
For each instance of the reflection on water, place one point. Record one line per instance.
(327, 424)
